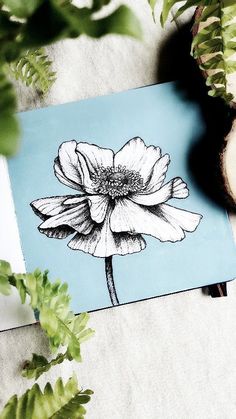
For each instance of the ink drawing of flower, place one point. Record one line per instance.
(119, 198)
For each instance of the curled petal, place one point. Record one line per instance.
(88, 184)
(176, 188)
(179, 188)
(164, 222)
(69, 162)
(62, 178)
(98, 207)
(101, 242)
(57, 233)
(135, 155)
(75, 199)
(186, 220)
(158, 174)
(95, 156)
(48, 207)
(78, 218)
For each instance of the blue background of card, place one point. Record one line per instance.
(161, 116)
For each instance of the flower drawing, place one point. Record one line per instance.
(120, 197)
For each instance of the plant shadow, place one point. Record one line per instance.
(175, 63)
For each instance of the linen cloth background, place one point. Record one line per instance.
(168, 358)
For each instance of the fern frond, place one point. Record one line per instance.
(214, 47)
(62, 401)
(214, 44)
(52, 302)
(34, 69)
(9, 127)
(168, 5)
(5, 270)
(39, 364)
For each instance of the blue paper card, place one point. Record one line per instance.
(110, 176)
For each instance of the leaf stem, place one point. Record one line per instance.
(110, 281)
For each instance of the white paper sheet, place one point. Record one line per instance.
(12, 312)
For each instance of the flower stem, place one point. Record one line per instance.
(110, 281)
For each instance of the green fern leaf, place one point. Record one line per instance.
(52, 302)
(9, 127)
(39, 365)
(55, 316)
(5, 270)
(5, 287)
(214, 45)
(211, 5)
(210, 11)
(187, 5)
(22, 8)
(152, 4)
(64, 401)
(34, 69)
(208, 32)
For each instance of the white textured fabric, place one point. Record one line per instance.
(167, 358)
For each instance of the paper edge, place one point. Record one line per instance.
(12, 312)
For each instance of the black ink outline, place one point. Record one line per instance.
(70, 230)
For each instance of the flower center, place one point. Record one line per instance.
(117, 181)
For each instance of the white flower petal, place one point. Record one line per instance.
(69, 163)
(95, 156)
(135, 155)
(88, 184)
(57, 233)
(48, 207)
(101, 242)
(180, 188)
(75, 199)
(163, 222)
(77, 218)
(186, 220)
(98, 207)
(158, 174)
(176, 188)
(62, 178)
